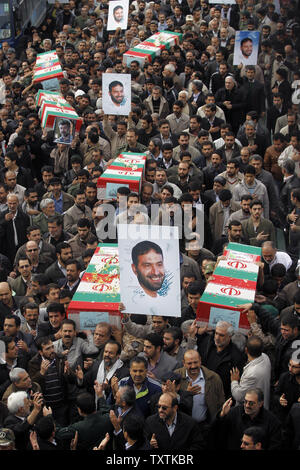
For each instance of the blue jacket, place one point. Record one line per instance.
(149, 388)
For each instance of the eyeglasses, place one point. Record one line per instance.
(250, 403)
(33, 249)
(163, 407)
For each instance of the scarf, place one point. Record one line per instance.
(101, 372)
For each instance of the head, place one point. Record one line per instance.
(268, 251)
(167, 406)
(246, 47)
(253, 402)
(111, 353)
(172, 339)
(116, 92)
(234, 231)
(253, 438)
(68, 332)
(153, 346)
(289, 326)
(102, 334)
(192, 363)
(138, 370)
(56, 314)
(20, 378)
(223, 334)
(256, 209)
(148, 265)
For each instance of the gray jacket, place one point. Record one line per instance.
(259, 190)
(165, 364)
(79, 347)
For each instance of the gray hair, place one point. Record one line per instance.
(250, 123)
(183, 92)
(289, 166)
(128, 395)
(228, 326)
(239, 340)
(170, 67)
(45, 202)
(47, 40)
(14, 374)
(185, 326)
(16, 401)
(258, 392)
(231, 78)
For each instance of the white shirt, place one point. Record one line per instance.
(282, 258)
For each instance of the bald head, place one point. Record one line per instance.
(5, 293)
(268, 251)
(192, 363)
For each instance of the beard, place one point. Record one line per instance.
(146, 281)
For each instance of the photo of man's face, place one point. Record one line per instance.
(150, 271)
(64, 130)
(247, 48)
(117, 94)
(118, 14)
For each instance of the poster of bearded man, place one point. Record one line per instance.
(116, 93)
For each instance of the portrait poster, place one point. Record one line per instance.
(117, 14)
(149, 269)
(64, 131)
(116, 93)
(246, 48)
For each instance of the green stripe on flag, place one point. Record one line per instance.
(96, 297)
(254, 250)
(235, 274)
(223, 300)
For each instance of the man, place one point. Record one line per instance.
(275, 111)
(218, 352)
(103, 371)
(231, 423)
(45, 250)
(159, 361)
(253, 439)
(254, 90)
(13, 224)
(10, 180)
(211, 123)
(144, 386)
(232, 174)
(220, 212)
(255, 142)
(55, 233)
(24, 341)
(42, 186)
(62, 200)
(31, 314)
(171, 429)
(57, 270)
(73, 270)
(22, 284)
(64, 135)
(256, 373)
(185, 146)
(194, 291)
(286, 392)
(182, 178)
(39, 263)
(213, 169)
(116, 93)
(257, 229)
(148, 266)
(252, 186)
(117, 138)
(8, 304)
(234, 234)
(230, 149)
(244, 212)
(48, 210)
(20, 419)
(172, 339)
(20, 382)
(84, 236)
(205, 386)
(10, 360)
(178, 120)
(132, 144)
(156, 103)
(267, 179)
(76, 347)
(78, 211)
(271, 256)
(52, 327)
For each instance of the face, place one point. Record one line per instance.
(72, 272)
(9, 327)
(117, 94)
(229, 84)
(10, 180)
(110, 354)
(249, 179)
(252, 405)
(64, 130)
(5, 293)
(31, 316)
(68, 333)
(138, 373)
(101, 336)
(268, 254)
(158, 324)
(149, 349)
(247, 48)
(49, 210)
(12, 350)
(247, 443)
(118, 15)
(150, 270)
(169, 342)
(183, 170)
(24, 268)
(146, 194)
(24, 381)
(192, 363)
(193, 300)
(165, 409)
(245, 205)
(3, 195)
(256, 211)
(250, 131)
(231, 169)
(131, 138)
(83, 232)
(222, 338)
(48, 351)
(160, 178)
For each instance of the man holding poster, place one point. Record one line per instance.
(149, 269)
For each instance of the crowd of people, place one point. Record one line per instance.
(220, 138)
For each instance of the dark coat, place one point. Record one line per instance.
(7, 238)
(4, 374)
(229, 358)
(21, 430)
(53, 273)
(235, 115)
(187, 436)
(228, 431)
(91, 375)
(254, 95)
(291, 429)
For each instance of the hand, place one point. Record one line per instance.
(22, 345)
(245, 307)
(9, 216)
(103, 443)
(117, 333)
(114, 384)
(74, 442)
(98, 389)
(67, 369)
(193, 329)
(234, 374)
(65, 353)
(44, 366)
(226, 407)
(121, 307)
(193, 389)
(58, 335)
(283, 400)
(13, 275)
(251, 315)
(293, 227)
(153, 442)
(88, 363)
(151, 375)
(260, 298)
(37, 401)
(47, 411)
(170, 386)
(33, 440)
(79, 373)
(262, 236)
(116, 422)
(296, 156)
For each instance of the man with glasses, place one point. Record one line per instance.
(231, 422)
(169, 429)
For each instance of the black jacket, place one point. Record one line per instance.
(235, 115)
(288, 386)
(187, 436)
(228, 431)
(5, 381)
(7, 238)
(21, 430)
(230, 357)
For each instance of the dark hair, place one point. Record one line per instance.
(291, 320)
(250, 170)
(45, 427)
(256, 202)
(128, 395)
(84, 222)
(278, 270)
(196, 287)
(257, 434)
(56, 307)
(73, 261)
(40, 342)
(246, 197)
(155, 339)
(175, 332)
(68, 321)
(225, 195)
(234, 223)
(123, 191)
(255, 346)
(133, 424)
(61, 246)
(7, 340)
(138, 360)
(112, 341)
(14, 317)
(86, 403)
(142, 248)
(58, 220)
